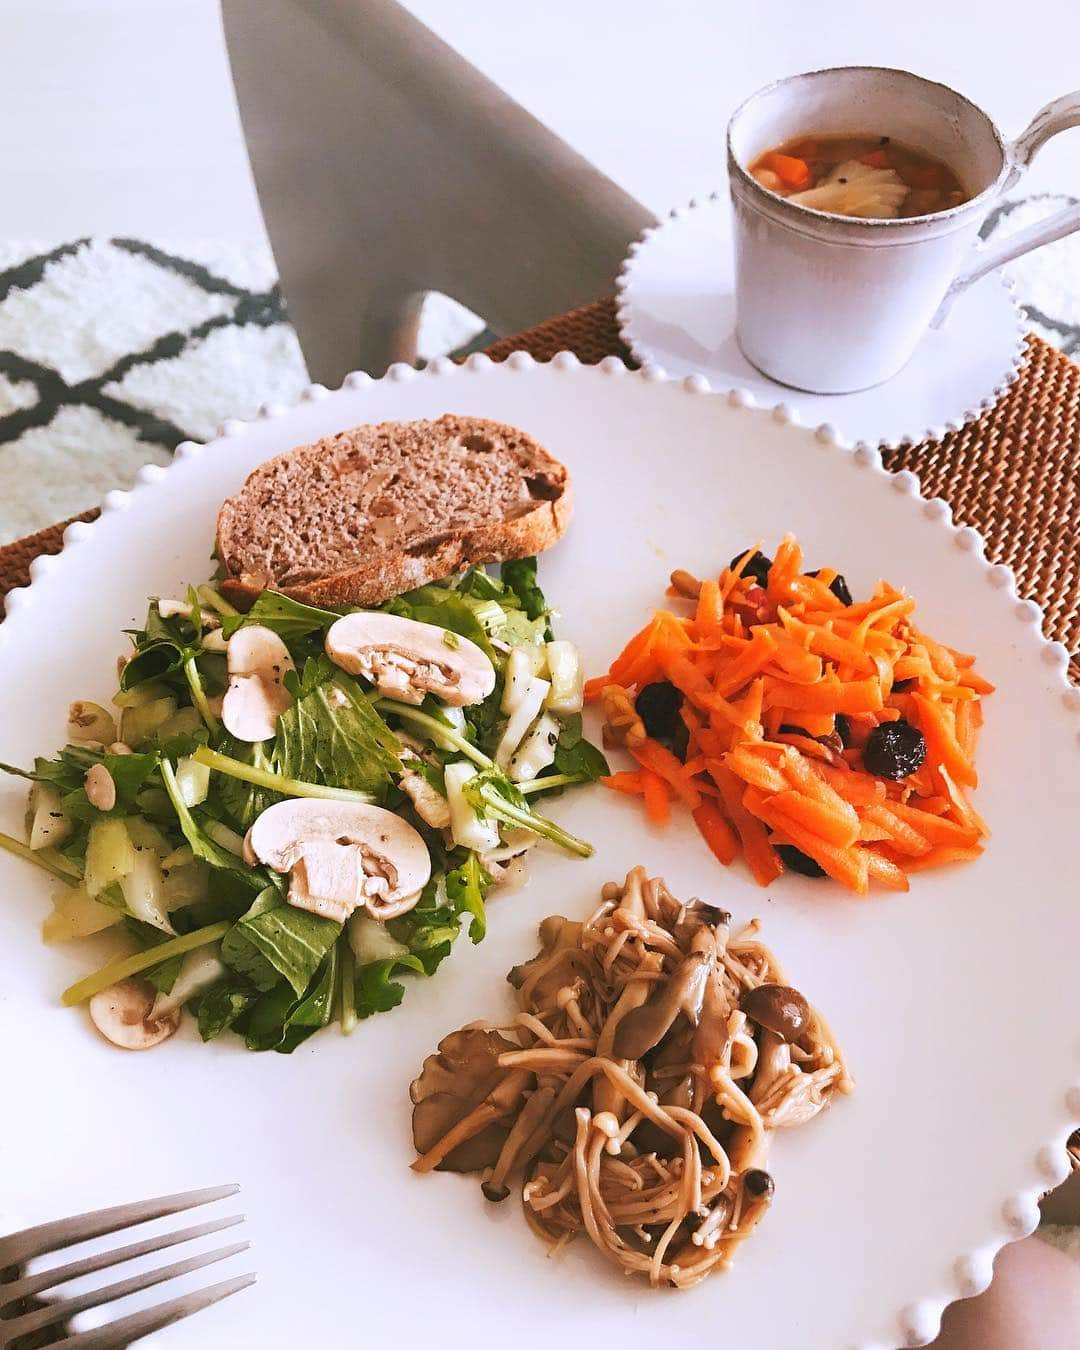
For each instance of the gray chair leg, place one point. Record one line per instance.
(387, 167)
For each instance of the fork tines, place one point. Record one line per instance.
(18, 1321)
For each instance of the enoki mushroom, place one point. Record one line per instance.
(635, 1095)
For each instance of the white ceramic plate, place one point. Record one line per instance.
(676, 308)
(957, 1004)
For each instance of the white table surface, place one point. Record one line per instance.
(117, 116)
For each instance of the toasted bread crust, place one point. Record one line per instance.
(387, 574)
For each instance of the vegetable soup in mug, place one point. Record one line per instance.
(868, 176)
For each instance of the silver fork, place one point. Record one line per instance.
(19, 1248)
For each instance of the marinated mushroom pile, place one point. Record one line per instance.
(635, 1095)
(285, 810)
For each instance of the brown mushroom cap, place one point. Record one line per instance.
(684, 992)
(777, 1008)
(453, 1081)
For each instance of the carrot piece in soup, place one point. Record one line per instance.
(792, 172)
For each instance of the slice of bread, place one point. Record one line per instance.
(366, 514)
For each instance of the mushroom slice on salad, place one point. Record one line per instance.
(342, 855)
(125, 1014)
(257, 661)
(405, 659)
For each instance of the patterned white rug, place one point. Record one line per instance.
(114, 350)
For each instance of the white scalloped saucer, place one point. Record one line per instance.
(957, 1004)
(676, 306)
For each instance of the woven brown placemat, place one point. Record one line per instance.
(1014, 474)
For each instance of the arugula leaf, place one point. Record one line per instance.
(520, 575)
(275, 939)
(577, 756)
(289, 619)
(465, 889)
(375, 990)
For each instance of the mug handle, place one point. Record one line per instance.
(1058, 116)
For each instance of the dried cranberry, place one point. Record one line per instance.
(658, 707)
(757, 566)
(798, 861)
(894, 750)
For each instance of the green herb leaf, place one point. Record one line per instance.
(289, 619)
(376, 991)
(221, 1005)
(333, 727)
(129, 772)
(275, 939)
(465, 889)
(445, 609)
(577, 756)
(281, 1021)
(520, 575)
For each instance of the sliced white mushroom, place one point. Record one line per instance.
(49, 826)
(124, 1014)
(428, 802)
(342, 855)
(100, 787)
(258, 661)
(90, 722)
(405, 659)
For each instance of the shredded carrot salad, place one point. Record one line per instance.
(799, 728)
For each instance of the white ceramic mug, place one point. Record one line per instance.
(831, 303)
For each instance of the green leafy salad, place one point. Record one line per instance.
(288, 809)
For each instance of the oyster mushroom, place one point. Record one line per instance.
(341, 855)
(405, 659)
(124, 1014)
(257, 662)
(684, 992)
(463, 1102)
